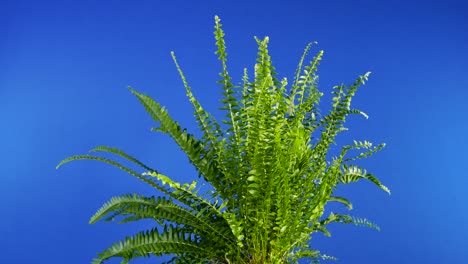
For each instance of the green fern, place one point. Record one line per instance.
(268, 168)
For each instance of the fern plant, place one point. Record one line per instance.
(267, 166)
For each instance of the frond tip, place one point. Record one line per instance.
(354, 173)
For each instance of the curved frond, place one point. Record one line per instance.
(143, 178)
(170, 241)
(346, 219)
(164, 209)
(305, 253)
(354, 173)
(123, 155)
(371, 151)
(341, 200)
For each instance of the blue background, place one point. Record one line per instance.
(65, 66)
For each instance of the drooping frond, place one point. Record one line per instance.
(354, 173)
(344, 219)
(305, 253)
(185, 194)
(171, 241)
(123, 155)
(313, 255)
(341, 200)
(149, 180)
(163, 209)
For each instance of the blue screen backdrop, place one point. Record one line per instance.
(64, 71)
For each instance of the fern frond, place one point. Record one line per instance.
(184, 193)
(299, 69)
(328, 257)
(341, 200)
(368, 153)
(118, 204)
(263, 68)
(346, 219)
(355, 112)
(354, 173)
(143, 178)
(171, 241)
(123, 155)
(305, 254)
(307, 80)
(364, 222)
(187, 142)
(166, 210)
(221, 52)
(229, 101)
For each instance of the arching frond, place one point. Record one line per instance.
(123, 155)
(346, 219)
(150, 181)
(341, 200)
(166, 210)
(368, 153)
(171, 241)
(354, 173)
(184, 193)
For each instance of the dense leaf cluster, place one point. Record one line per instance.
(268, 168)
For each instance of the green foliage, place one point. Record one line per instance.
(268, 168)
